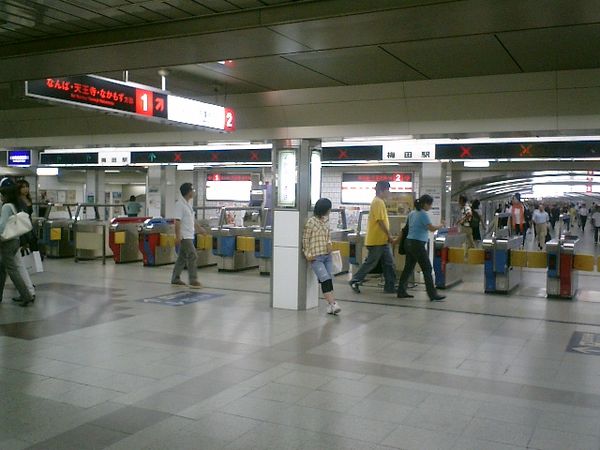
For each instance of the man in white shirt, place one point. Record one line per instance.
(540, 219)
(185, 231)
(583, 213)
(466, 214)
(596, 222)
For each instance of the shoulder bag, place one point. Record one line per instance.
(17, 225)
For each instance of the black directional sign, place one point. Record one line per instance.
(262, 155)
(68, 158)
(525, 150)
(352, 153)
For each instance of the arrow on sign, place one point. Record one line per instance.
(88, 158)
(159, 104)
(152, 157)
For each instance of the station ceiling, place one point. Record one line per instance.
(246, 46)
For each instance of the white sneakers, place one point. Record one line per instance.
(333, 308)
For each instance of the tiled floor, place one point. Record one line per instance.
(91, 366)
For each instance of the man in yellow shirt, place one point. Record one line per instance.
(378, 241)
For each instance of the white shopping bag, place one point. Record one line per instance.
(33, 262)
(336, 260)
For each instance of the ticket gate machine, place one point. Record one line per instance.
(263, 242)
(91, 238)
(499, 275)
(157, 241)
(234, 245)
(123, 238)
(447, 273)
(562, 279)
(54, 230)
(357, 241)
(204, 242)
(339, 236)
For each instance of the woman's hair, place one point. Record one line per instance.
(322, 207)
(462, 199)
(20, 185)
(475, 204)
(11, 195)
(424, 199)
(132, 198)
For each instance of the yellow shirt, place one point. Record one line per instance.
(375, 235)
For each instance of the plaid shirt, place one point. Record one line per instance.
(316, 238)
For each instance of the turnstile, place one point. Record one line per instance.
(54, 230)
(123, 238)
(447, 273)
(91, 238)
(339, 234)
(263, 243)
(157, 242)
(204, 242)
(499, 275)
(356, 241)
(562, 279)
(234, 245)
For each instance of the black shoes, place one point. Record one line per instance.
(22, 303)
(437, 298)
(404, 295)
(354, 285)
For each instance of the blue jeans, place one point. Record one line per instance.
(323, 267)
(377, 252)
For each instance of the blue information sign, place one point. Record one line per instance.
(18, 158)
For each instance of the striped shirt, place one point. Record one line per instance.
(316, 238)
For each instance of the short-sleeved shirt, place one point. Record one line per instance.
(133, 208)
(316, 238)
(540, 216)
(418, 226)
(583, 211)
(465, 212)
(375, 235)
(596, 218)
(185, 213)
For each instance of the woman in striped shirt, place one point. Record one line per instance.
(316, 244)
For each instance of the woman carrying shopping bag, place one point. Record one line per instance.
(9, 248)
(316, 245)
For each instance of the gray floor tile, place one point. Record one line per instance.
(130, 419)
(478, 444)
(304, 379)
(359, 428)
(544, 439)
(497, 431)
(381, 410)
(411, 438)
(438, 420)
(84, 436)
(281, 392)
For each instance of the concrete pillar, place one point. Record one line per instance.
(94, 186)
(168, 190)
(433, 183)
(293, 283)
(153, 196)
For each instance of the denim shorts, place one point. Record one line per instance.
(323, 266)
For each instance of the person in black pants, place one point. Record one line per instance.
(419, 226)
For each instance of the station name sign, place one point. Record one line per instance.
(141, 101)
(516, 151)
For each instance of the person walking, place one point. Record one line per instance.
(185, 230)
(419, 226)
(9, 249)
(316, 245)
(517, 214)
(583, 215)
(540, 219)
(28, 241)
(132, 207)
(476, 222)
(596, 223)
(466, 215)
(378, 241)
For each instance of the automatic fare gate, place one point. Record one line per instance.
(500, 275)
(562, 279)
(448, 257)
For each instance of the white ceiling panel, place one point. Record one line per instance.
(560, 48)
(362, 65)
(455, 57)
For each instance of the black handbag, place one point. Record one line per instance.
(401, 249)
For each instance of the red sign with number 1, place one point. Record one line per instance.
(144, 102)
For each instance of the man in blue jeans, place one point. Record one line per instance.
(378, 241)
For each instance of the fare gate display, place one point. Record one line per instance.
(131, 98)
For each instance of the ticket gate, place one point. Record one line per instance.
(157, 241)
(263, 243)
(358, 253)
(91, 222)
(562, 279)
(447, 273)
(339, 235)
(499, 275)
(206, 217)
(54, 230)
(123, 238)
(234, 245)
